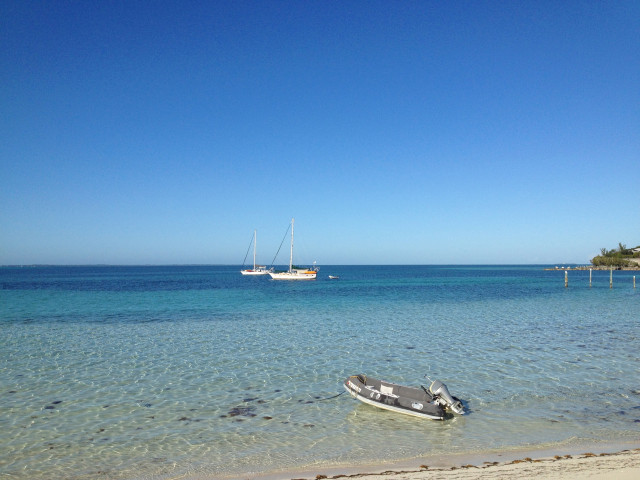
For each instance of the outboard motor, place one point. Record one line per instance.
(440, 391)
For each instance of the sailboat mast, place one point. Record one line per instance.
(291, 256)
(254, 248)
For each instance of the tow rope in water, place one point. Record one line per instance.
(329, 398)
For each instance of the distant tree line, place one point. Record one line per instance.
(617, 257)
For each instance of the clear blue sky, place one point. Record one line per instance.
(394, 132)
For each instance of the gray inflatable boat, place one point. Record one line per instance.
(435, 403)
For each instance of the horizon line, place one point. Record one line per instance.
(33, 265)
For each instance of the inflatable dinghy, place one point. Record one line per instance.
(434, 402)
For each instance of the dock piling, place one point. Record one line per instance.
(566, 279)
(611, 278)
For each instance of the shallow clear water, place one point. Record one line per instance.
(157, 372)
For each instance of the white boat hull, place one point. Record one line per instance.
(254, 272)
(294, 275)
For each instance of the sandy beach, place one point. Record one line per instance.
(621, 465)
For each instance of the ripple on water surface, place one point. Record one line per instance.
(202, 372)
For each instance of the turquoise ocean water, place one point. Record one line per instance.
(172, 372)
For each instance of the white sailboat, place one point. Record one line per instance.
(295, 273)
(257, 269)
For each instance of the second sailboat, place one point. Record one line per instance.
(295, 273)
